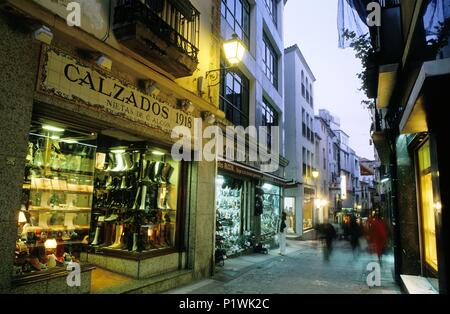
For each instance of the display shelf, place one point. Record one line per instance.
(63, 171)
(44, 209)
(56, 228)
(58, 191)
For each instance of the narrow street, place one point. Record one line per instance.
(301, 271)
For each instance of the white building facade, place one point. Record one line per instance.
(300, 139)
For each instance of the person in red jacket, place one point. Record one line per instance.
(378, 236)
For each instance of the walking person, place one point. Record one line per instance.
(327, 234)
(282, 233)
(378, 236)
(355, 233)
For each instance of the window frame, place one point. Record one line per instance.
(228, 106)
(242, 27)
(268, 110)
(270, 61)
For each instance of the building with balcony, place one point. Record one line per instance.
(87, 171)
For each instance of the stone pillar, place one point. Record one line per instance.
(407, 210)
(18, 61)
(202, 218)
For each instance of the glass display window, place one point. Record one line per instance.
(229, 199)
(428, 223)
(289, 208)
(135, 198)
(54, 220)
(308, 207)
(272, 209)
(96, 192)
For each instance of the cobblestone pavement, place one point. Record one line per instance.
(302, 271)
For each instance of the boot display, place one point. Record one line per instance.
(133, 191)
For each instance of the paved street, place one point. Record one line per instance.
(301, 271)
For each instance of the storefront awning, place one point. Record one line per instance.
(414, 116)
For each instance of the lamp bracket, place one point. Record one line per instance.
(214, 76)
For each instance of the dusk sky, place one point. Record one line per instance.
(311, 24)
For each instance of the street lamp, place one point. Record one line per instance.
(315, 173)
(234, 50)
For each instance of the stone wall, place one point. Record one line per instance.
(18, 61)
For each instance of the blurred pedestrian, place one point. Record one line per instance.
(328, 234)
(378, 236)
(282, 233)
(355, 232)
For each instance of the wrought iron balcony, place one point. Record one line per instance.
(166, 32)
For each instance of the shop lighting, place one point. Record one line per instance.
(315, 173)
(50, 244)
(22, 218)
(118, 151)
(220, 180)
(52, 128)
(104, 62)
(385, 180)
(158, 153)
(44, 34)
(267, 186)
(55, 137)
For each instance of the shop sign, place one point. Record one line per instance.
(238, 170)
(64, 76)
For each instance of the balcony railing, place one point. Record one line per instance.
(162, 30)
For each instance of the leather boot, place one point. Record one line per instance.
(109, 234)
(119, 231)
(111, 162)
(135, 242)
(143, 198)
(128, 165)
(120, 163)
(96, 237)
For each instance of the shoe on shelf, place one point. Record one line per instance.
(113, 217)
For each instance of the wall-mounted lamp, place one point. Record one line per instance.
(208, 117)
(234, 50)
(44, 34)
(149, 87)
(104, 62)
(315, 173)
(234, 53)
(187, 106)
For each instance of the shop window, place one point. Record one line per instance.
(54, 219)
(229, 201)
(308, 206)
(135, 199)
(289, 208)
(427, 206)
(272, 209)
(88, 192)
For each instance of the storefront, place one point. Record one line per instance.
(100, 188)
(308, 209)
(248, 210)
